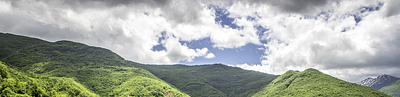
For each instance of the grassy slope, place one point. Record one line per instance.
(392, 90)
(17, 83)
(98, 69)
(12, 43)
(211, 80)
(312, 82)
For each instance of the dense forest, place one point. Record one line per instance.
(33, 67)
(17, 83)
(215, 80)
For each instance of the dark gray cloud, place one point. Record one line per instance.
(305, 7)
(97, 4)
(392, 8)
(25, 26)
(175, 11)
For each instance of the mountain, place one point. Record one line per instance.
(379, 82)
(11, 43)
(392, 89)
(312, 82)
(96, 69)
(33, 67)
(214, 80)
(16, 83)
(384, 83)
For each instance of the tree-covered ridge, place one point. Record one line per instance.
(65, 69)
(16, 83)
(312, 82)
(215, 80)
(97, 69)
(76, 55)
(392, 90)
(11, 43)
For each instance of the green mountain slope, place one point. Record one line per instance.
(65, 69)
(312, 82)
(16, 83)
(211, 80)
(392, 90)
(11, 43)
(97, 69)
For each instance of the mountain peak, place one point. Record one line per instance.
(379, 82)
(384, 77)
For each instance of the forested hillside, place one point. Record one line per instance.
(392, 89)
(97, 69)
(12, 43)
(312, 82)
(33, 67)
(215, 80)
(16, 83)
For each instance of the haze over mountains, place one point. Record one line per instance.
(33, 67)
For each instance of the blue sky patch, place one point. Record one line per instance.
(158, 48)
(161, 37)
(249, 53)
(222, 17)
(261, 33)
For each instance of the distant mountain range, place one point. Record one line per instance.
(379, 82)
(384, 83)
(31, 67)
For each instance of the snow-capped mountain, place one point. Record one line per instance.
(379, 82)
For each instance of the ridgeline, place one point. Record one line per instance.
(33, 67)
(312, 82)
(97, 69)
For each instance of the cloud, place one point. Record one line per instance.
(209, 56)
(177, 52)
(333, 42)
(391, 8)
(130, 28)
(347, 39)
(305, 7)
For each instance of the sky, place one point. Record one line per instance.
(348, 39)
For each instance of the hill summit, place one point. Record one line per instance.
(312, 82)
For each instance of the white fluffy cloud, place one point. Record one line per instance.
(301, 34)
(209, 56)
(364, 49)
(130, 28)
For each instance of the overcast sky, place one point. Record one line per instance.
(349, 39)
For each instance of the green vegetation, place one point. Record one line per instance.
(392, 90)
(96, 69)
(12, 43)
(211, 80)
(34, 67)
(16, 83)
(312, 82)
